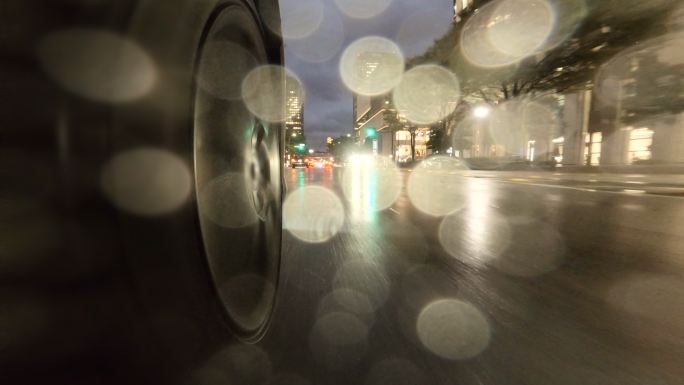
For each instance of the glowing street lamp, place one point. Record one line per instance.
(481, 112)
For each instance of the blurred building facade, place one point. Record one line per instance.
(380, 137)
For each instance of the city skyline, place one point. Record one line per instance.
(328, 103)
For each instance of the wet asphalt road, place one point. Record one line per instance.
(522, 283)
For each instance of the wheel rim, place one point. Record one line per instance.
(237, 175)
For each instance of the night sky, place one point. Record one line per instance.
(413, 24)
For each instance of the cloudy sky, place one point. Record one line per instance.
(317, 32)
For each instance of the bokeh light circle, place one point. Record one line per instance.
(520, 27)
(504, 32)
(98, 65)
(453, 329)
(436, 187)
(263, 91)
(300, 18)
(362, 9)
(323, 44)
(146, 181)
(427, 94)
(313, 214)
(372, 65)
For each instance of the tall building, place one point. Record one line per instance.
(294, 124)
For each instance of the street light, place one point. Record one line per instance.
(481, 112)
(311, 151)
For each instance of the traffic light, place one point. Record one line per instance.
(371, 133)
(300, 147)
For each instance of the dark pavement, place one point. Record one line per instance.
(522, 282)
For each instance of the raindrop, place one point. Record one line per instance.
(263, 91)
(323, 44)
(453, 329)
(427, 94)
(434, 189)
(313, 214)
(504, 32)
(519, 27)
(146, 181)
(98, 65)
(300, 18)
(372, 66)
(362, 9)
(365, 277)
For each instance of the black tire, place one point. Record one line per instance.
(90, 290)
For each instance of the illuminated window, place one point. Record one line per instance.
(640, 141)
(592, 150)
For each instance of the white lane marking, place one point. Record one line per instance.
(587, 189)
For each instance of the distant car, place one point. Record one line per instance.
(299, 163)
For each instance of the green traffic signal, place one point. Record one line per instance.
(370, 132)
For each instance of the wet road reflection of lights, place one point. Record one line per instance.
(98, 65)
(313, 214)
(371, 188)
(146, 181)
(478, 234)
(453, 329)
